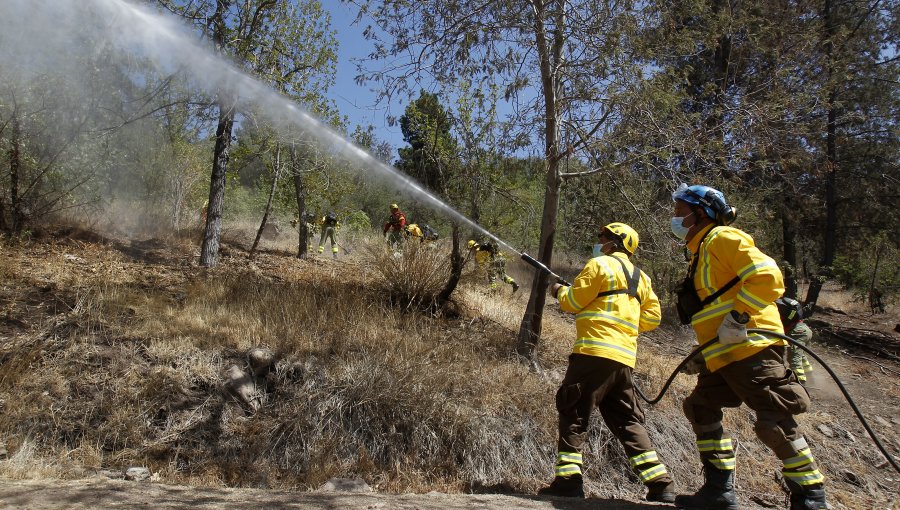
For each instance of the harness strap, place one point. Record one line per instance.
(693, 270)
(632, 280)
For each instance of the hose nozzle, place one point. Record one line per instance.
(541, 267)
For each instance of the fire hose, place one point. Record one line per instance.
(541, 267)
(808, 351)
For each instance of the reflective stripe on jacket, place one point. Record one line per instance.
(728, 252)
(608, 326)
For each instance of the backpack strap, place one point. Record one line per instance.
(693, 270)
(632, 280)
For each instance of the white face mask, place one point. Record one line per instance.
(598, 249)
(678, 228)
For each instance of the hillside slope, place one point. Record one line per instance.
(112, 354)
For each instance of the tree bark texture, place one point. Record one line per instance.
(209, 252)
(456, 266)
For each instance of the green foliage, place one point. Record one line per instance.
(877, 268)
(358, 222)
(431, 155)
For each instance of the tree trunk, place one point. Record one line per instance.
(265, 218)
(789, 247)
(530, 329)
(209, 252)
(14, 167)
(815, 285)
(179, 190)
(300, 194)
(456, 266)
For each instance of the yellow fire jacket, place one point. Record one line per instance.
(414, 231)
(728, 252)
(608, 326)
(482, 257)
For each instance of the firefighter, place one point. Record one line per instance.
(488, 257)
(394, 226)
(329, 224)
(311, 228)
(412, 231)
(791, 313)
(613, 301)
(429, 234)
(732, 287)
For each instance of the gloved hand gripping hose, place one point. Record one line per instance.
(793, 342)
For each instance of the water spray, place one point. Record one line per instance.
(168, 46)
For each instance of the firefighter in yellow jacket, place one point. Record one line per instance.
(612, 301)
(489, 258)
(731, 287)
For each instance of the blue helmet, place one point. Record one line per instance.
(710, 199)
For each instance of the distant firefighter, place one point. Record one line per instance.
(792, 319)
(394, 228)
(487, 256)
(329, 224)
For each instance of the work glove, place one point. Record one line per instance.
(695, 365)
(554, 289)
(733, 329)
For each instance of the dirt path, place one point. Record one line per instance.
(102, 493)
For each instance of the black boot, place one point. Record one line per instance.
(807, 498)
(661, 492)
(564, 487)
(717, 492)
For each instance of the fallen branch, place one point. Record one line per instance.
(875, 362)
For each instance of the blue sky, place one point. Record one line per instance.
(357, 102)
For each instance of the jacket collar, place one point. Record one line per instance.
(694, 244)
(619, 255)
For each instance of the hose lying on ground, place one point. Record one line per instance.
(793, 342)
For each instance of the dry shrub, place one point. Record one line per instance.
(412, 276)
(129, 372)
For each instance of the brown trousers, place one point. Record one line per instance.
(590, 382)
(761, 381)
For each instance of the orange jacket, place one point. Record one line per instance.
(396, 222)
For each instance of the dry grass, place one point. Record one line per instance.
(360, 388)
(109, 360)
(414, 275)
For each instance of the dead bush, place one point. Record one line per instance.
(413, 275)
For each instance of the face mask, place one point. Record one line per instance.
(598, 249)
(678, 229)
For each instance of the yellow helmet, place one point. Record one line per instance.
(628, 236)
(471, 244)
(394, 207)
